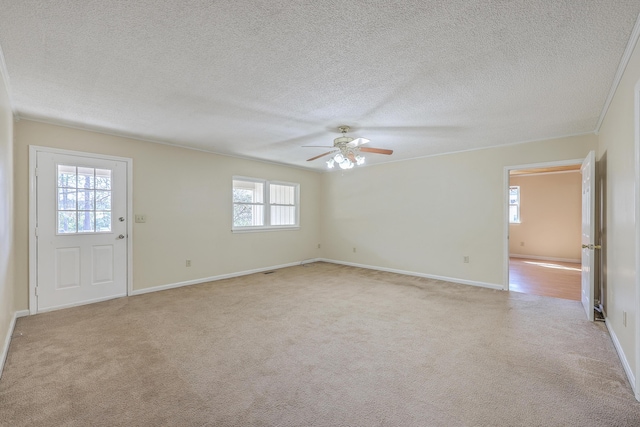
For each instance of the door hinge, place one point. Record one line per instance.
(36, 231)
(36, 172)
(36, 291)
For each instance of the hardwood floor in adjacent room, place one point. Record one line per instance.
(545, 278)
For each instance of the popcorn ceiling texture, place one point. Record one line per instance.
(262, 78)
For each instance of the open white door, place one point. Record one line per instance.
(588, 170)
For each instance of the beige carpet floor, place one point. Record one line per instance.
(319, 345)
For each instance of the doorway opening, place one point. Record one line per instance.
(543, 250)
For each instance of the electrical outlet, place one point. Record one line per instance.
(318, 245)
(624, 318)
(354, 250)
(521, 243)
(465, 259)
(188, 263)
(141, 218)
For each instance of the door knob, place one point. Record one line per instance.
(121, 236)
(591, 247)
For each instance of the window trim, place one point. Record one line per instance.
(266, 206)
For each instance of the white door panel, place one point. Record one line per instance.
(81, 230)
(588, 233)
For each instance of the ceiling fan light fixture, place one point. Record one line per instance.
(346, 151)
(345, 164)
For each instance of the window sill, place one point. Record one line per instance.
(261, 229)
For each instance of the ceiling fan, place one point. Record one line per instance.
(347, 150)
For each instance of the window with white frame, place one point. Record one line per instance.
(514, 204)
(260, 204)
(84, 200)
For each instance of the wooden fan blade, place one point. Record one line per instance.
(376, 150)
(321, 155)
(351, 157)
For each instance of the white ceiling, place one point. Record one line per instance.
(261, 78)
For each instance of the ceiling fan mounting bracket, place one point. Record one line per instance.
(343, 140)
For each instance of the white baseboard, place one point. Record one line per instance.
(623, 357)
(215, 278)
(546, 258)
(413, 273)
(308, 261)
(78, 304)
(7, 340)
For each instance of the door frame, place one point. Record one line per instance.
(636, 116)
(33, 242)
(505, 206)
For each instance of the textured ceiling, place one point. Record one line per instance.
(259, 79)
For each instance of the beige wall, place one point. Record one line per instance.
(425, 215)
(7, 306)
(551, 216)
(616, 149)
(186, 196)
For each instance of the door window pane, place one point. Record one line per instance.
(86, 178)
(84, 199)
(67, 199)
(103, 179)
(67, 222)
(86, 221)
(66, 176)
(103, 200)
(103, 221)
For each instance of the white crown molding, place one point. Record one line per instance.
(102, 131)
(635, 34)
(88, 128)
(490, 147)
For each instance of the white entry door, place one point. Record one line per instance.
(81, 229)
(588, 170)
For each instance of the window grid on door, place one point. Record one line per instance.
(83, 200)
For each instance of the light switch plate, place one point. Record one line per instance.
(141, 218)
